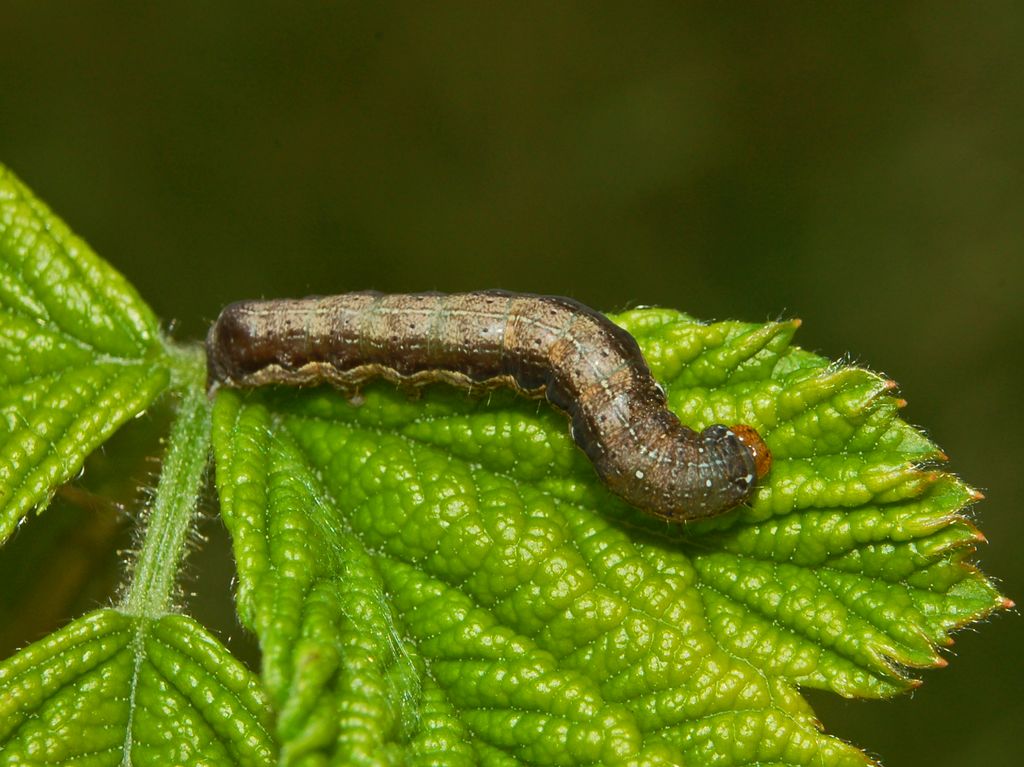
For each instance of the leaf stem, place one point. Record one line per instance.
(177, 491)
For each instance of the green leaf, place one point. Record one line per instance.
(112, 689)
(139, 685)
(80, 353)
(443, 579)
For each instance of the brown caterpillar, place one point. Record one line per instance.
(539, 345)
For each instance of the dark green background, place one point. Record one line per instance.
(856, 165)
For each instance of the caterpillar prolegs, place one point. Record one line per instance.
(542, 346)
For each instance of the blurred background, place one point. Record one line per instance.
(860, 167)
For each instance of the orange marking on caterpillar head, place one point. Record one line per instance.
(756, 445)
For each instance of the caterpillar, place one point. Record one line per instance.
(541, 346)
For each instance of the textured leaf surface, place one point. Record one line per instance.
(80, 352)
(443, 580)
(108, 683)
